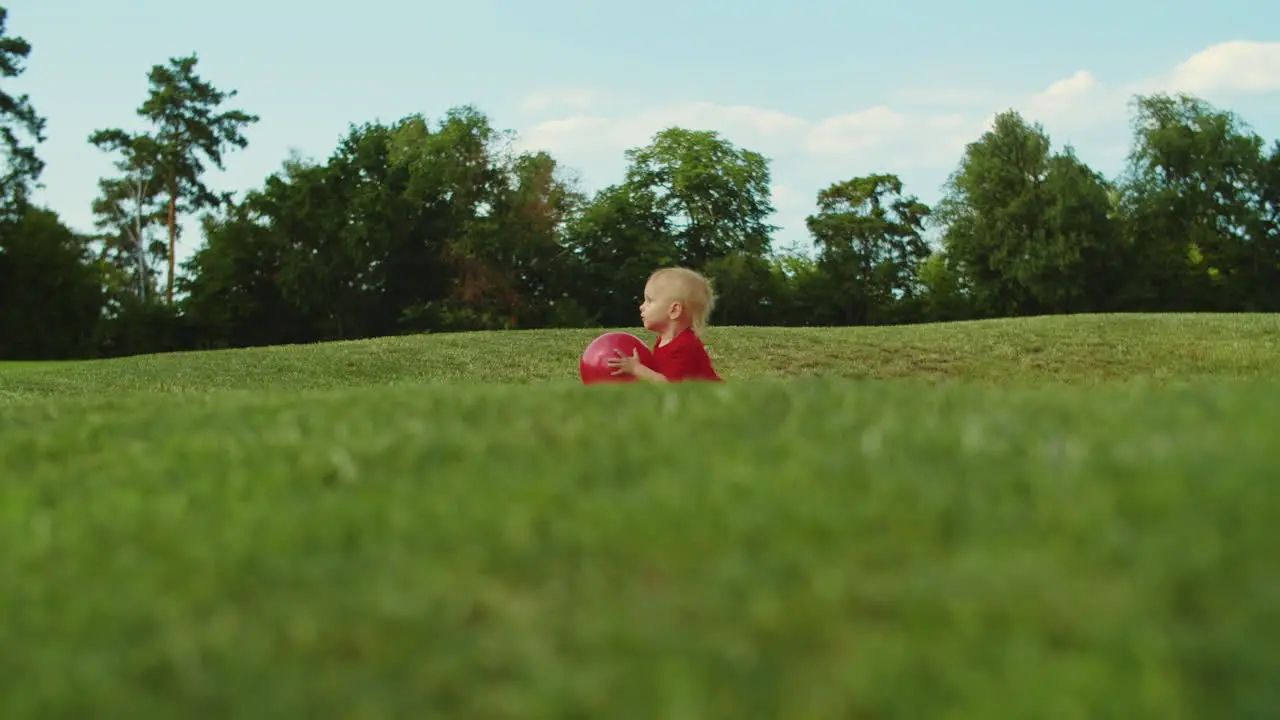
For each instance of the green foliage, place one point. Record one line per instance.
(128, 206)
(616, 242)
(749, 289)
(51, 289)
(942, 289)
(18, 117)
(1031, 231)
(714, 195)
(183, 111)
(1199, 178)
(870, 246)
(406, 228)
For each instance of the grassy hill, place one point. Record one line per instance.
(1081, 520)
(1083, 348)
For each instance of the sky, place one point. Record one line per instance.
(827, 91)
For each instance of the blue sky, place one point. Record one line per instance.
(827, 90)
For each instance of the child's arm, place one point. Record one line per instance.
(644, 372)
(631, 365)
(681, 363)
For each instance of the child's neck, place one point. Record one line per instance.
(671, 332)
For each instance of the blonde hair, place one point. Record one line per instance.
(690, 289)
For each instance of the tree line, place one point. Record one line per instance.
(418, 226)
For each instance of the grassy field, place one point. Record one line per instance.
(1039, 518)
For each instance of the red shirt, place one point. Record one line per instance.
(684, 358)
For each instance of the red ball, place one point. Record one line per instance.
(594, 367)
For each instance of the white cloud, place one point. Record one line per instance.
(575, 99)
(921, 136)
(749, 126)
(909, 139)
(889, 137)
(1229, 67)
(1077, 101)
(1082, 101)
(878, 134)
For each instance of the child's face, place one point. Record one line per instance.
(658, 309)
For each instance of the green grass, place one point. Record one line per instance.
(1066, 517)
(1080, 349)
(10, 365)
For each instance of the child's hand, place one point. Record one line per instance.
(625, 365)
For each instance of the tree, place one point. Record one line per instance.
(943, 297)
(454, 182)
(1199, 191)
(1030, 231)
(407, 227)
(689, 198)
(183, 108)
(1267, 231)
(50, 289)
(17, 117)
(751, 289)
(869, 237)
(615, 242)
(494, 222)
(233, 289)
(125, 210)
(530, 209)
(715, 195)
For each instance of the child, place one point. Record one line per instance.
(677, 303)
